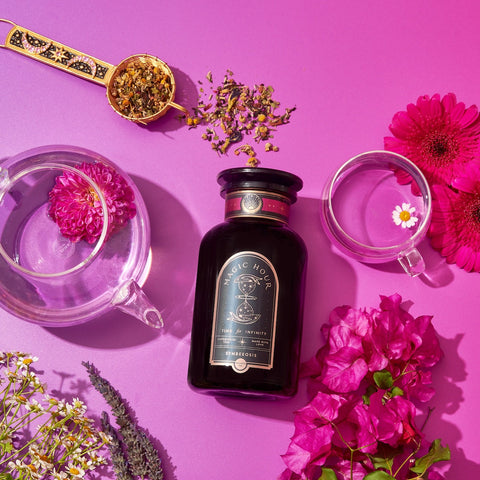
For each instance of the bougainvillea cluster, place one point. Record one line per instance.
(365, 385)
(442, 137)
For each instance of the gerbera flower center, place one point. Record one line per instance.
(441, 147)
(475, 211)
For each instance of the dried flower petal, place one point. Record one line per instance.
(141, 89)
(238, 111)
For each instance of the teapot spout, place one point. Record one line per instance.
(131, 299)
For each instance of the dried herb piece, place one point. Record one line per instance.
(141, 89)
(233, 111)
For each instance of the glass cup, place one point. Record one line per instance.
(372, 212)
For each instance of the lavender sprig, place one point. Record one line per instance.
(139, 456)
(155, 471)
(120, 463)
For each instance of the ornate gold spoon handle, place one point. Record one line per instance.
(56, 54)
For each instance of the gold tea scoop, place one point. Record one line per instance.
(141, 88)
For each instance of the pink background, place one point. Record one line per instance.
(348, 66)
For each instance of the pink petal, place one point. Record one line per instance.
(463, 256)
(469, 116)
(414, 114)
(465, 184)
(403, 178)
(344, 370)
(470, 261)
(457, 112)
(449, 101)
(322, 406)
(343, 336)
(401, 125)
(450, 251)
(296, 458)
(436, 109)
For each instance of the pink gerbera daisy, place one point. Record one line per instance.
(455, 227)
(76, 208)
(440, 136)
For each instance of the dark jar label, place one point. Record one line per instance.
(245, 316)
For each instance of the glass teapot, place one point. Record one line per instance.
(52, 277)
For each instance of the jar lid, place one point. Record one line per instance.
(261, 179)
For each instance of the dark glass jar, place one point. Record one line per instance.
(247, 320)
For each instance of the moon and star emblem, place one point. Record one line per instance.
(56, 53)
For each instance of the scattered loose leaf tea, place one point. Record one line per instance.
(141, 89)
(233, 111)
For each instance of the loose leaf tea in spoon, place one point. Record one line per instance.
(233, 111)
(141, 89)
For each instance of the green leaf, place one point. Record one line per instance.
(5, 448)
(383, 379)
(382, 462)
(385, 456)
(436, 453)
(366, 398)
(378, 475)
(328, 474)
(396, 392)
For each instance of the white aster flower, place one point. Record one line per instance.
(77, 408)
(34, 405)
(75, 471)
(403, 215)
(26, 361)
(97, 459)
(18, 465)
(59, 475)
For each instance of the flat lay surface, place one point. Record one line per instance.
(347, 67)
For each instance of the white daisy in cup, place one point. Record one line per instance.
(404, 215)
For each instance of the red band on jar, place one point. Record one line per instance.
(254, 203)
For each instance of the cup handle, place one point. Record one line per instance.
(412, 262)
